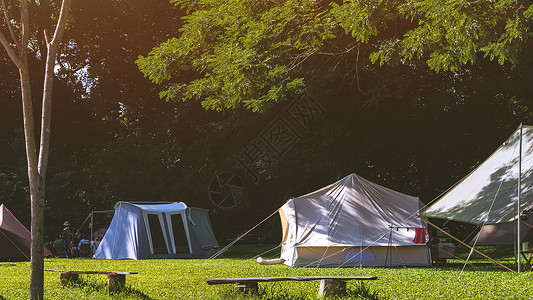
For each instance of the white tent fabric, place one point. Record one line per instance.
(139, 231)
(488, 195)
(352, 222)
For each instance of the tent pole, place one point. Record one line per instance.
(527, 224)
(464, 244)
(89, 216)
(519, 245)
(91, 228)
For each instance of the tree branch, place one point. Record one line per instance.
(46, 116)
(61, 24)
(299, 60)
(8, 24)
(25, 30)
(46, 37)
(10, 51)
(357, 69)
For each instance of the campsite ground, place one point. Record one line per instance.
(185, 279)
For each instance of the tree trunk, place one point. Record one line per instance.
(37, 160)
(36, 187)
(37, 244)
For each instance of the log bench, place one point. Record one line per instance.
(115, 280)
(329, 285)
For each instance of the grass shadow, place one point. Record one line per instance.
(277, 292)
(96, 287)
(130, 292)
(476, 262)
(503, 254)
(2, 298)
(249, 251)
(7, 264)
(363, 292)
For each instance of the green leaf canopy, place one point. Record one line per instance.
(233, 53)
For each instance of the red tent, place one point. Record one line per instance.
(14, 237)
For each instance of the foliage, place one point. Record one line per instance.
(98, 99)
(235, 53)
(450, 34)
(185, 279)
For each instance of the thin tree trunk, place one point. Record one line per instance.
(35, 180)
(37, 244)
(38, 195)
(36, 191)
(37, 161)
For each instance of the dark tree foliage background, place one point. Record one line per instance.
(406, 127)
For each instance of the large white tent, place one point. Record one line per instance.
(490, 196)
(353, 222)
(168, 230)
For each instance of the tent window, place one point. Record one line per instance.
(158, 240)
(180, 237)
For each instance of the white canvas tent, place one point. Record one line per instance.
(352, 222)
(490, 195)
(169, 230)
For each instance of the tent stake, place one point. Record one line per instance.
(464, 244)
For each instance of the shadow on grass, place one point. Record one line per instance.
(2, 298)
(93, 287)
(363, 292)
(131, 292)
(7, 264)
(249, 251)
(474, 266)
(503, 254)
(276, 292)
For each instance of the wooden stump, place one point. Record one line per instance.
(247, 288)
(67, 277)
(331, 288)
(116, 282)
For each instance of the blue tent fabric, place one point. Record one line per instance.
(141, 231)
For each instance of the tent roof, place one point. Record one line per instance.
(20, 235)
(10, 223)
(489, 193)
(354, 211)
(156, 207)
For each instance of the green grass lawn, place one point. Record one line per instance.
(185, 279)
